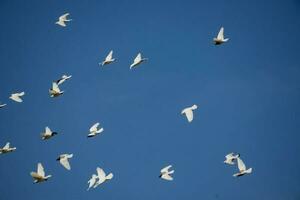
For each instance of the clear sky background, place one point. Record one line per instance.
(247, 92)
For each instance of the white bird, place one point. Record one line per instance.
(64, 160)
(2, 105)
(92, 181)
(102, 177)
(189, 112)
(220, 38)
(39, 176)
(242, 168)
(48, 134)
(63, 79)
(94, 130)
(109, 59)
(17, 97)
(7, 148)
(138, 60)
(62, 19)
(55, 91)
(230, 158)
(166, 174)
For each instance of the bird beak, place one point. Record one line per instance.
(57, 159)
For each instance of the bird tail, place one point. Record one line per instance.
(109, 176)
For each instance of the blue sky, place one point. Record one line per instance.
(247, 92)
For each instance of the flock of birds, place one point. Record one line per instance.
(100, 177)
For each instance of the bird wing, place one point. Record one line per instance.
(21, 94)
(241, 165)
(92, 181)
(101, 173)
(221, 33)
(109, 56)
(138, 58)
(16, 98)
(94, 127)
(64, 17)
(47, 131)
(65, 162)
(40, 170)
(167, 177)
(189, 115)
(165, 169)
(6, 145)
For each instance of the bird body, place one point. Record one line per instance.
(63, 19)
(64, 160)
(17, 97)
(138, 60)
(39, 176)
(242, 168)
(109, 59)
(48, 134)
(166, 174)
(7, 148)
(220, 37)
(55, 91)
(94, 130)
(188, 112)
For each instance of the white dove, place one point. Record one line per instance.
(64, 160)
(242, 168)
(62, 19)
(166, 174)
(230, 158)
(92, 181)
(102, 177)
(2, 105)
(7, 148)
(220, 38)
(55, 91)
(17, 97)
(63, 79)
(109, 59)
(48, 134)
(94, 130)
(39, 176)
(189, 112)
(138, 60)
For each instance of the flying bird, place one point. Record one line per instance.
(138, 60)
(39, 176)
(102, 177)
(92, 181)
(55, 91)
(188, 112)
(242, 168)
(94, 130)
(7, 148)
(109, 59)
(2, 105)
(166, 174)
(230, 158)
(63, 19)
(63, 79)
(64, 160)
(220, 38)
(48, 134)
(17, 97)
